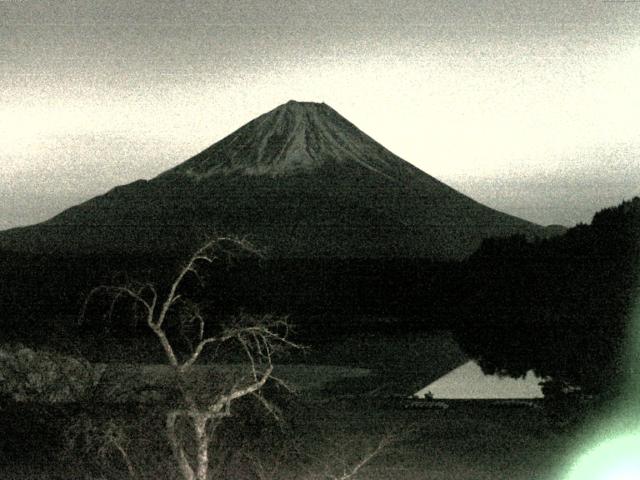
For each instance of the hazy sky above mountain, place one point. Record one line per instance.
(531, 107)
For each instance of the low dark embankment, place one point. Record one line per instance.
(323, 297)
(379, 315)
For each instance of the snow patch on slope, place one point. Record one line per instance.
(294, 138)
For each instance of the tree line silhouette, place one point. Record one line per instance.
(562, 307)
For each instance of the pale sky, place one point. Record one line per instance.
(531, 107)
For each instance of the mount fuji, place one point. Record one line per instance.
(299, 181)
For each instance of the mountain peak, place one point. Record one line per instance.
(294, 107)
(306, 111)
(297, 103)
(293, 138)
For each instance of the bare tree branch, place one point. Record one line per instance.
(178, 451)
(224, 401)
(187, 364)
(259, 338)
(367, 458)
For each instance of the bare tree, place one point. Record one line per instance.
(340, 458)
(100, 440)
(257, 337)
(338, 467)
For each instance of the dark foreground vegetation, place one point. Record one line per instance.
(318, 441)
(560, 306)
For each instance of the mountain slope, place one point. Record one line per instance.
(301, 181)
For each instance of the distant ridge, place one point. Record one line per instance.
(300, 180)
